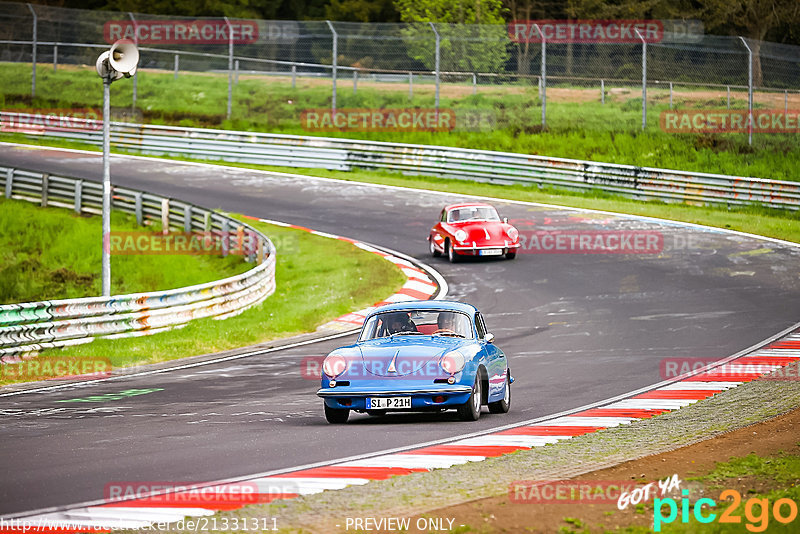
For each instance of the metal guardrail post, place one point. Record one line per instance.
(135, 74)
(749, 92)
(45, 189)
(33, 50)
(176, 67)
(644, 80)
(603, 92)
(294, 76)
(187, 218)
(55, 57)
(355, 81)
(9, 183)
(437, 59)
(474, 84)
(78, 196)
(670, 95)
(164, 216)
(410, 85)
(334, 63)
(786, 102)
(729, 96)
(225, 236)
(137, 209)
(230, 67)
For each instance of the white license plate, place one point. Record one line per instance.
(491, 252)
(388, 403)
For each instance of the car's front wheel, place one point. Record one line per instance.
(451, 254)
(503, 404)
(471, 410)
(510, 255)
(336, 416)
(435, 253)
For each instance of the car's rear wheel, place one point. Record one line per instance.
(451, 254)
(511, 255)
(435, 253)
(503, 404)
(471, 410)
(336, 416)
(376, 413)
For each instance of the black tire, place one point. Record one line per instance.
(503, 405)
(451, 254)
(336, 416)
(471, 410)
(376, 413)
(511, 255)
(435, 253)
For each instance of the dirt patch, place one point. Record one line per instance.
(502, 514)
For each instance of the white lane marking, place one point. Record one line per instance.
(511, 440)
(652, 404)
(304, 486)
(679, 386)
(426, 461)
(577, 420)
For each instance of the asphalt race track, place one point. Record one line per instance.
(578, 328)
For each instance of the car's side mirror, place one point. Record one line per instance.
(505, 220)
(489, 337)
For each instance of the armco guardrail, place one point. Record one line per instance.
(31, 327)
(440, 161)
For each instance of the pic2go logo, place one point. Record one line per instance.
(756, 511)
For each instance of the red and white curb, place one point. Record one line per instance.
(207, 500)
(419, 284)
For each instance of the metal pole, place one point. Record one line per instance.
(33, 51)
(644, 80)
(543, 77)
(670, 95)
(786, 102)
(438, 39)
(355, 81)
(177, 63)
(603, 92)
(230, 67)
(236, 69)
(729, 96)
(294, 76)
(334, 64)
(135, 74)
(749, 93)
(55, 57)
(410, 85)
(474, 84)
(106, 269)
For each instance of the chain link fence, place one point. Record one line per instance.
(414, 65)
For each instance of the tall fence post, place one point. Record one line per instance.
(729, 96)
(785, 101)
(670, 95)
(334, 63)
(55, 57)
(644, 80)
(177, 66)
(543, 77)
(33, 51)
(236, 70)
(438, 57)
(135, 74)
(294, 76)
(355, 81)
(230, 68)
(749, 92)
(410, 85)
(603, 92)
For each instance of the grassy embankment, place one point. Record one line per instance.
(56, 255)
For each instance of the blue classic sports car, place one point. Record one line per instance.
(418, 356)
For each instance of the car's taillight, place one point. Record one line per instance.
(334, 365)
(453, 362)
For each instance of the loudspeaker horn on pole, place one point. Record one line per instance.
(123, 57)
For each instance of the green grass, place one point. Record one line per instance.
(588, 130)
(53, 253)
(309, 293)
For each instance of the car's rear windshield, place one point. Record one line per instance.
(474, 213)
(417, 323)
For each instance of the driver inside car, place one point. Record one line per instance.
(400, 322)
(448, 323)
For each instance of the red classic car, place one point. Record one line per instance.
(472, 229)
